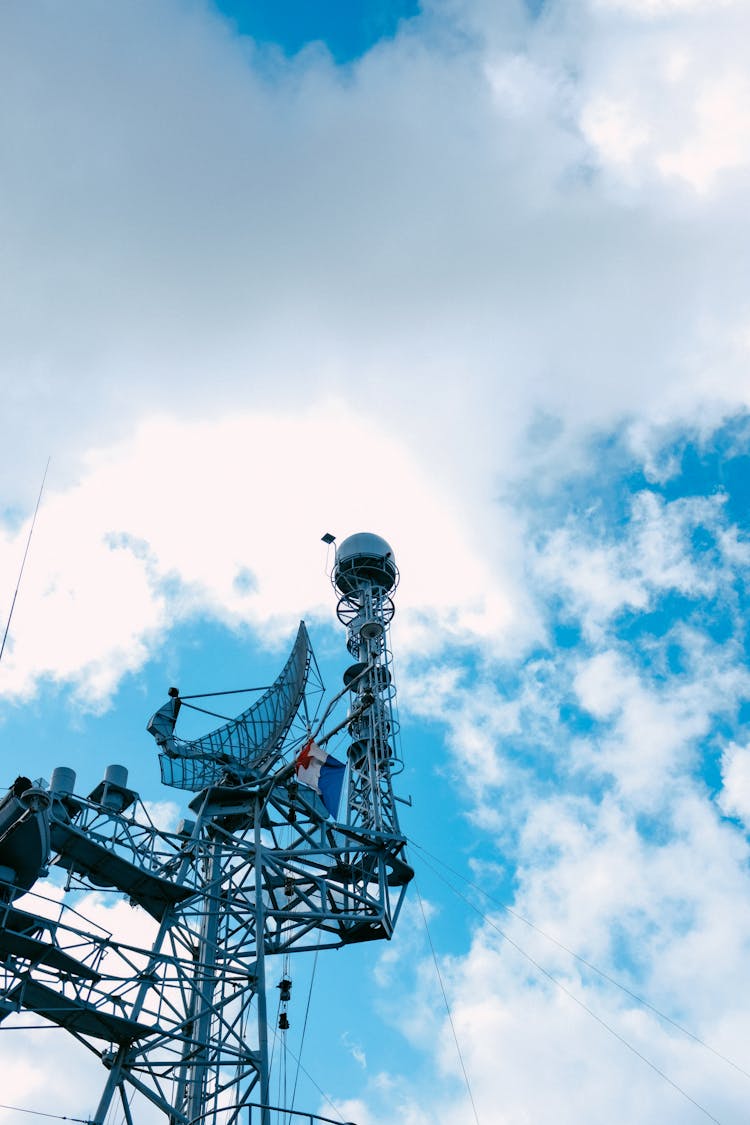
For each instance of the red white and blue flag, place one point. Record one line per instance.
(322, 772)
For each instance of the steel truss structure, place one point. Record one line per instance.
(262, 869)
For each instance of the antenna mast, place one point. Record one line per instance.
(265, 867)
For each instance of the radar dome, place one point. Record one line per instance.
(362, 559)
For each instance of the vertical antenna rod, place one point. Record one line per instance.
(23, 561)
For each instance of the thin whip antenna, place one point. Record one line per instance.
(23, 561)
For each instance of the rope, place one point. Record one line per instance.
(304, 1029)
(309, 1076)
(230, 691)
(203, 711)
(127, 1115)
(447, 1005)
(284, 1040)
(582, 960)
(273, 1045)
(40, 1113)
(584, 1006)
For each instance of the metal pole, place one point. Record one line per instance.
(113, 1081)
(260, 965)
(205, 985)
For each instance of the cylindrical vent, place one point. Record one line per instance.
(116, 775)
(364, 559)
(63, 781)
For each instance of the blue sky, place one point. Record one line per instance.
(475, 280)
(348, 30)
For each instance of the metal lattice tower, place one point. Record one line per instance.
(266, 866)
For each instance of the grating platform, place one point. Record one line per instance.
(105, 868)
(73, 1014)
(43, 953)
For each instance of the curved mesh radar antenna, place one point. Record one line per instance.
(245, 746)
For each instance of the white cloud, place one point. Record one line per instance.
(734, 798)
(604, 574)
(248, 300)
(355, 1049)
(660, 8)
(653, 914)
(28, 1045)
(601, 684)
(27, 1082)
(164, 815)
(711, 150)
(671, 101)
(171, 522)
(421, 236)
(617, 849)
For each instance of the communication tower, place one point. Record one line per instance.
(269, 864)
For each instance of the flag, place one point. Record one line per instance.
(322, 772)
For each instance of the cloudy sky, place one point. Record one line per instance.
(474, 276)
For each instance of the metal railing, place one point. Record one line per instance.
(288, 1116)
(252, 1114)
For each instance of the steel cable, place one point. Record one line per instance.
(572, 953)
(447, 1005)
(580, 1003)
